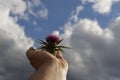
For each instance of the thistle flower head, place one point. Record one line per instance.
(51, 44)
(52, 39)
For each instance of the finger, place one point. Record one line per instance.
(59, 55)
(63, 62)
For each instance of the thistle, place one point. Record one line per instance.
(51, 44)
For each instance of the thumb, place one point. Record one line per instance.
(29, 52)
(31, 49)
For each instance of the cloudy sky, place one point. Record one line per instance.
(90, 27)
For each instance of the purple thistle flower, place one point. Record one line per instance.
(51, 44)
(52, 39)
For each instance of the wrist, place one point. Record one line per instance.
(52, 72)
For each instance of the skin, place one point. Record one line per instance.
(47, 66)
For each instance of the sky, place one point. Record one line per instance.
(90, 27)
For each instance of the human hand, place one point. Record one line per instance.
(48, 67)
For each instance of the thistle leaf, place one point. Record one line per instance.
(60, 41)
(62, 50)
(63, 47)
(41, 42)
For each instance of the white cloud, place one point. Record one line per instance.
(101, 6)
(56, 33)
(42, 12)
(75, 13)
(23, 9)
(13, 6)
(13, 43)
(95, 51)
